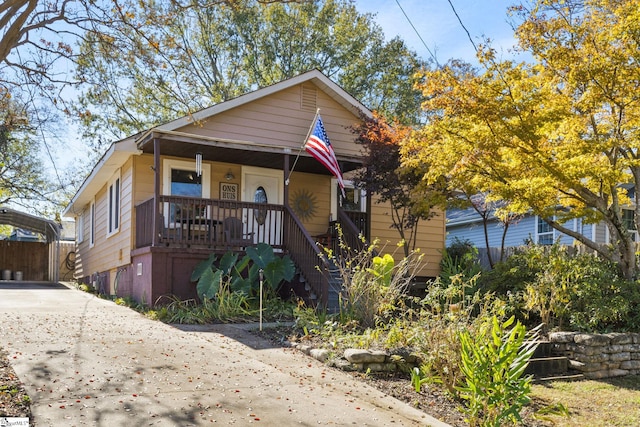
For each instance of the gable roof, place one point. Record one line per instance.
(332, 89)
(120, 151)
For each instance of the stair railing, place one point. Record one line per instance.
(308, 257)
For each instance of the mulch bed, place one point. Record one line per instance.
(14, 400)
(431, 399)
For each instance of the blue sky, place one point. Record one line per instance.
(439, 27)
(434, 20)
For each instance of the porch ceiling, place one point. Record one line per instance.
(239, 152)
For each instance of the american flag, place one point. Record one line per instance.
(318, 146)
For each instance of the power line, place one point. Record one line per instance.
(41, 130)
(417, 33)
(463, 27)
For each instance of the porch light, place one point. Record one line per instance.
(198, 163)
(229, 176)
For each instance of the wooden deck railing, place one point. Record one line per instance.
(144, 223)
(353, 233)
(194, 222)
(360, 221)
(307, 256)
(191, 221)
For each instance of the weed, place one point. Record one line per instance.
(493, 361)
(418, 378)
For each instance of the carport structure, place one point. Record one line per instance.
(35, 261)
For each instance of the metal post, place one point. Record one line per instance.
(261, 280)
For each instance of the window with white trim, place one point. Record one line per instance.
(113, 196)
(80, 228)
(628, 220)
(544, 232)
(92, 223)
(180, 179)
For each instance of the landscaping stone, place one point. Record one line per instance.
(355, 355)
(618, 338)
(381, 367)
(599, 355)
(306, 349)
(562, 337)
(319, 354)
(591, 339)
(630, 364)
(620, 357)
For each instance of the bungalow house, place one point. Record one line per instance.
(160, 201)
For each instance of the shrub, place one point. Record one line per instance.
(460, 258)
(602, 301)
(493, 361)
(564, 290)
(372, 285)
(242, 275)
(444, 312)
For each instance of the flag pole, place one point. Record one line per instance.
(313, 124)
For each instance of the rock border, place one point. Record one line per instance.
(599, 356)
(362, 360)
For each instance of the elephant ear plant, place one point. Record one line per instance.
(242, 276)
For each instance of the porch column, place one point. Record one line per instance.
(156, 191)
(286, 179)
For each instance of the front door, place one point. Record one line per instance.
(265, 186)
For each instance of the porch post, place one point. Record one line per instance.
(285, 202)
(156, 192)
(286, 179)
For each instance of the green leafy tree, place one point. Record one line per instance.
(21, 176)
(40, 49)
(558, 138)
(162, 61)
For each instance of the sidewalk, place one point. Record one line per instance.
(87, 361)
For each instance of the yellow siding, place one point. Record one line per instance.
(318, 187)
(112, 251)
(430, 239)
(143, 181)
(279, 120)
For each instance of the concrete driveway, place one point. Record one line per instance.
(87, 361)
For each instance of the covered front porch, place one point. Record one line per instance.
(172, 233)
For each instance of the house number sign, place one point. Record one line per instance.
(228, 191)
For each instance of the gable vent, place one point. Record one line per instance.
(308, 96)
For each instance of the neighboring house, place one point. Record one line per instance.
(22, 235)
(466, 224)
(159, 202)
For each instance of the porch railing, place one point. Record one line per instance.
(360, 221)
(307, 256)
(192, 221)
(144, 223)
(352, 231)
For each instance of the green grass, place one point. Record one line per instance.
(611, 402)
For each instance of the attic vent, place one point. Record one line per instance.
(308, 97)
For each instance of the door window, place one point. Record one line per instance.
(260, 196)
